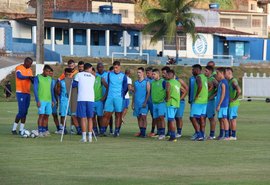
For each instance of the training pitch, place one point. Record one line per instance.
(130, 160)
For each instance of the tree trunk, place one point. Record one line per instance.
(40, 32)
(176, 48)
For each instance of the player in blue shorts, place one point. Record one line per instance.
(127, 100)
(99, 100)
(117, 83)
(222, 103)
(139, 100)
(235, 92)
(199, 104)
(85, 108)
(211, 105)
(44, 91)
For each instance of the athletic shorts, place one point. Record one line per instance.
(211, 109)
(126, 103)
(223, 112)
(198, 110)
(85, 109)
(159, 109)
(63, 108)
(171, 113)
(23, 104)
(45, 108)
(138, 111)
(54, 108)
(114, 104)
(233, 112)
(98, 108)
(181, 109)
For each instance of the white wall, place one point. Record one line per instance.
(21, 30)
(116, 7)
(2, 38)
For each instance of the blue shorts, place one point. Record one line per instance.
(150, 107)
(233, 112)
(159, 109)
(98, 108)
(211, 109)
(138, 111)
(181, 109)
(23, 104)
(45, 108)
(54, 109)
(85, 109)
(126, 103)
(171, 112)
(223, 112)
(114, 104)
(198, 110)
(63, 108)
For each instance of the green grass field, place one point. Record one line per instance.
(130, 160)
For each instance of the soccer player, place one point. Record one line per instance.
(71, 65)
(126, 100)
(212, 92)
(117, 83)
(158, 93)
(173, 87)
(44, 96)
(85, 108)
(199, 104)
(99, 100)
(24, 76)
(139, 100)
(181, 109)
(63, 89)
(80, 66)
(222, 103)
(235, 92)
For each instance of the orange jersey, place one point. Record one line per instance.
(75, 71)
(23, 86)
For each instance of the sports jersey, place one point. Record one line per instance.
(140, 92)
(174, 99)
(86, 83)
(64, 92)
(23, 83)
(226, 100)
(98, 88)
(117, 83)
(104, 75)
(129, 82)
(233, 92)
(210, 80)
(203, 95)
(158, 91)
(54, 81)
(191, 84)
(74, 72)
(43, 89)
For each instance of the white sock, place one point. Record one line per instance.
(84, 135)
(21, 126)
(90, 136)
(14, 126)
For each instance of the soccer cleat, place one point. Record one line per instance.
(83, 140)
(20, 132)
(137, 134)
(40, 134)
(211, 138)
(47, 133)
(220, 138)
(90, 139)
(72, 132)
(155, 136)
(151, 134)
(161, 137)
(226, 139)
(233, 138)
(193, 137)
(116, 135)
(172, 139)
(178, 135)
(14, 132)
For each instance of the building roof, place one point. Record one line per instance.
(118, 1)
(65, 23)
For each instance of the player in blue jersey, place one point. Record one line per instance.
(222, 103)
(127, 100)
(117, 88)
(139, 100)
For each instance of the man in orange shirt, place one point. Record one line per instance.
(24, 77)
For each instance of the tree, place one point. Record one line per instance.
(171, 15)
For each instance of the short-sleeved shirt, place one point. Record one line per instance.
(233, 92)
(86, 83)
(140, 92)
(104, 75)
(117, 83)
(129, 82)
(23, 86)
(226, 100)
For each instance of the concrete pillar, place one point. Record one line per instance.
(107, 38)
(88, 41)
(71, 41)
(53, 38)
(140, 43)
(34, 34)
(125, 42)
(265, 49)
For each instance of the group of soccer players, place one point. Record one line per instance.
(91, 96)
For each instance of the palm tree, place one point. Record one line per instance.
(166, 19)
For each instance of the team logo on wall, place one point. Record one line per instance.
(200, 45)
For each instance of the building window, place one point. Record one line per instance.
(225, 22)
(239, 49)
(171, 45)
(115, 38)
(136, 41)
(124, 13)
(256, 23)
(47, 33)
(58, 34)
(240, 22)
(96, 38)
(253, 7)
(79, 37)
